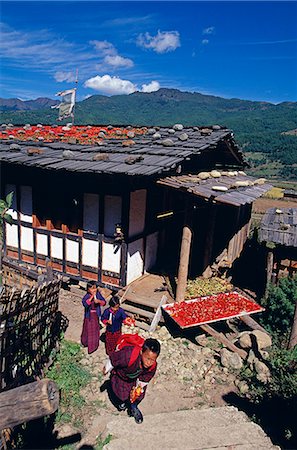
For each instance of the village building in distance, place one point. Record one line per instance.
(111, 203)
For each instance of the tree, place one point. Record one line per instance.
(5, 205)
(293, 337)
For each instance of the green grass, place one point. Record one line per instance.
(101, 442)
(285, 184)
(70, 376)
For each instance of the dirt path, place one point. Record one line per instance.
(189, 376)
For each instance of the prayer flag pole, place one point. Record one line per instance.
(76, 81)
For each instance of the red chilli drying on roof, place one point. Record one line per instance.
(82, 134)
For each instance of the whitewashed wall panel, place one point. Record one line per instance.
(13, 210)
(135, 260)
(91, 213)
(27, 239)
(111, 257)
(90, 253)
(137, 212)
(26, 204)
(56, 247)
(112, 213)
(72, 251)
(42, 244)
(151, 250)
(12, 235)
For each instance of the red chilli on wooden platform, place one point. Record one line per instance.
(212, 308)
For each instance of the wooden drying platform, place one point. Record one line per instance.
(215, 308)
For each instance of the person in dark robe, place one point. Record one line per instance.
(130, 376)
(92, 302)
(113, 317)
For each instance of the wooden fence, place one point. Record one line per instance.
(30, 326)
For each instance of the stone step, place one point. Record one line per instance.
(213, 428)
(138, 311)
(149, 302)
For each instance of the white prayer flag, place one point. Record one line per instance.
(67, 103)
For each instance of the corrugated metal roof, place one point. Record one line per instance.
(147, 154)
(279, 226)
(233, 188)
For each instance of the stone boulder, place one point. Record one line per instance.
(263, 372)
(263, 339)
(245, 340)
(230, 360)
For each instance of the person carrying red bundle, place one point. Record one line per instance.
(113, 317)
(132, 366)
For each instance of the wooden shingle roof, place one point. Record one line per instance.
(227, 187)
(145, 151)
(280, 227)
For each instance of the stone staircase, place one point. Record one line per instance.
(223, 428)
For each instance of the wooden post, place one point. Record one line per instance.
(293, 336)
(49, 270)
(269, 270)
(28, 402)
(209, 240)
(184, 264)
(222, 338)
(252, 323)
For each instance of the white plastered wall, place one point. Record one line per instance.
(12, 230)
(135, 260)
(111, 257)
(42, 244)
(72, 251)
(56, 247)
(27, 239)
(90, 252)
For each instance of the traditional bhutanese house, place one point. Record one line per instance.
(278, 232)
(110, 203)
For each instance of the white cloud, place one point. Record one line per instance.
(151, 87)
(204, 41)
(124, 21)
(111, 57)
(208, 30)
(44, 51)
(104, 47)
(110, 85)
(163, 42)
(64, 76)
(117, 61)
(116, 86)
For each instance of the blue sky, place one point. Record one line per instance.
(246, 50)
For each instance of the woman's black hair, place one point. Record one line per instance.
(114, 301)
(153, 345)
(91, 284)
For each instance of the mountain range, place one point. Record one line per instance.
(258, 126)
(15, 104)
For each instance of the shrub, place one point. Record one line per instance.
(279, 308)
